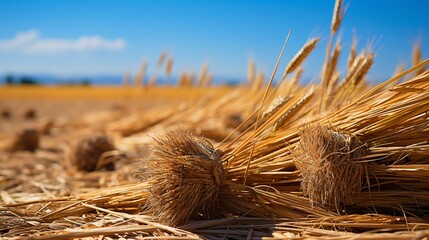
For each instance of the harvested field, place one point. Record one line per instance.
(265, 192)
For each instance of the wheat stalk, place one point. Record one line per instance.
(292, 110)
(126, 79)
(336, 21)
(251, 71)
(364, 68)
(275, 105)
(400, 68)
(352, 54)
(169, 67)
(183, 79)
(161, 58)
(300, 56)
(330, 82)
(152, 80)
(356, 74)
(202, 77)
(139, 79)
(417, 58)
(333, 62)
(337, 16)
(259, 82)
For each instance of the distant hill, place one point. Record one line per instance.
(101, 79)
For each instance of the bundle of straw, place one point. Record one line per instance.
(329, 164)
(185, 175)
(88, 153)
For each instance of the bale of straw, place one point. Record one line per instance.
(330, 164)
(186, 175)
(5, 114)
(27, 140)
(87, 153)
(30, 114)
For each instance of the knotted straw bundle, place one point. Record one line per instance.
(87, 153)
(330, 164)
(186, 174)
(28, 139)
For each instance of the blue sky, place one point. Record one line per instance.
(86, 37)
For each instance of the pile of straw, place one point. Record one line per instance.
(89, 153)
(330, 166)
(30, 114)
(186, 175)
(28, 140)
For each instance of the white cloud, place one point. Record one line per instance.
(20, 40)
(31, 42)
